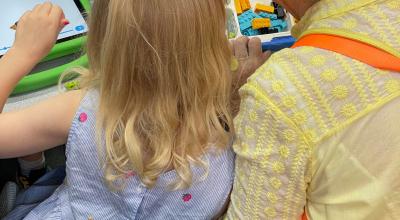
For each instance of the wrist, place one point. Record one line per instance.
(21, 59)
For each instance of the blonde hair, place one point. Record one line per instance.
(162, 71)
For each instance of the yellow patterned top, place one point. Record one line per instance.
(320, 132)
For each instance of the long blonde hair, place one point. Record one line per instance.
(162, 71)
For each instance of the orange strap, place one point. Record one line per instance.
(357, 50)
(352, 48)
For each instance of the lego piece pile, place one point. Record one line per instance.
(266, 19)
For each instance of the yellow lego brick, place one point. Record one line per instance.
(259, 23)
(238, 7)
(245, 5)
(264, 8)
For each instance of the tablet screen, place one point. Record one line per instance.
(13, 10)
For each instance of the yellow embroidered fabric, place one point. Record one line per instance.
(320, 131)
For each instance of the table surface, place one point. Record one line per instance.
(26, 100)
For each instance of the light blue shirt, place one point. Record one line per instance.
(84, 194)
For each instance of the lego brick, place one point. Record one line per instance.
(258, 23)
(280, 24)
(274, 4)
(245, 19)
(284, 25)
(276, 23)
(264, 8)
(238, 7)
(245, 25)
(278, 43)
(245, 5)
(280, 12)
(251, 32)
(273, 30)
(267, 15)
(264, 31)
(268, 30)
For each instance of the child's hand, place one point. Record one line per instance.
(37, 32)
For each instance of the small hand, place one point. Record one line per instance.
(37, 32)
(250, 57)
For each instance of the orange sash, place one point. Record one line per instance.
(357, 50)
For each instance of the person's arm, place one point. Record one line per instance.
(12, 69)
(46, 124)
(38, 128)
(272, 160)
(36, 34)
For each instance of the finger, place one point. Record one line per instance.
(57, 14)
(22, 19)
(65, 22)
(231, 47)
(255, 49)
(266, 55)
(46, 8)
(36, 8)
(24, 16)
(240, 47)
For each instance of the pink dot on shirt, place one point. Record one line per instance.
(129, 174)
(83, 117)
(186, 197)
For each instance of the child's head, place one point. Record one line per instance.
(162, 69)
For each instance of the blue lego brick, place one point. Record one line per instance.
(245, 19)
(280, 24)
(267, 15)
(245, 25)
(276, 23)
(251, 32)
(284, 24)
(278, 43)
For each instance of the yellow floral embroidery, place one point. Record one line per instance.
(245, 148)
(329, 75)
(278, 167)
(258, 104)
(284, 151)
(394, 4)
(275, 182)
(289, 135)
(289, 101)
(392, 86)
(272, 197)
(323, 97)
(310, 134)
(299, 117)
(340, 92)
(304, 147)
(278, 86)
(268, 75)
(350, 23)
(349, 110)
(242, 177)
(318, 60)
(271, 212)
(306, 50)
(253, 116)
(250, 133)
(266, 151)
